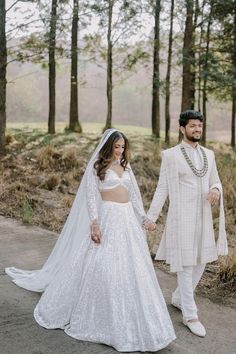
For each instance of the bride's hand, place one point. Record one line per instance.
(95, 232)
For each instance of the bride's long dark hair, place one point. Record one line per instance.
(106, 152)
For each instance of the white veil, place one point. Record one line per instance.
(75, 229)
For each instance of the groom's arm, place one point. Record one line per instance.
(160, 195)
(214, 176)
(215, 187)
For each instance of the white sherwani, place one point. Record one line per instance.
(188, 237)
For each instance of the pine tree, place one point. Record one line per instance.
(3, 81)
(74, 124)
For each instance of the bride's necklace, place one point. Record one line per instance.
(196, 171)
(115, 162)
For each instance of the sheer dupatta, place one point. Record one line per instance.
(75, 230)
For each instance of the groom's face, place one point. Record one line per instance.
(193, 130)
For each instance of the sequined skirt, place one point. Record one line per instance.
(110, 294)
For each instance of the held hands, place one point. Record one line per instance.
(213, 196)
(95, 232)
(149, 225)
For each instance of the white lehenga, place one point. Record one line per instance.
(105, 293)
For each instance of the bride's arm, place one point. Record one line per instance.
(92, 194)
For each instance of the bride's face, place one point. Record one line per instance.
(118, 149)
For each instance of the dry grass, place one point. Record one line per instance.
(227, 270)
(67, 201)
(47, 156)
(51, 158)
(50, 183)
(9, 139)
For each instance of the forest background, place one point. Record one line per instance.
(72, 68)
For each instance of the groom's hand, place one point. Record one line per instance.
(149, 225)
(213, 196)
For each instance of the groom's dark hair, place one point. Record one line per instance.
(189, 114)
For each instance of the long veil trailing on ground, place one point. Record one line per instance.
(75, 230)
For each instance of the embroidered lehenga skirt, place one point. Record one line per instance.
(110, 293)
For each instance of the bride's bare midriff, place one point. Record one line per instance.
(118, 194)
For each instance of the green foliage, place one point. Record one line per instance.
(47, 140)
(223, 74)
(26, 211)
(137, 56)
(126, 21)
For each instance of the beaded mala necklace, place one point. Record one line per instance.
(196, 171)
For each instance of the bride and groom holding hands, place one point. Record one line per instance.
(99, 283)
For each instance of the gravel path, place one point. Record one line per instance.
(28, 247)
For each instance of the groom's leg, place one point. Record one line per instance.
(197, 274)
(185, 284)
(198, 270)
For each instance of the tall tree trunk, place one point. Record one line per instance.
(156, 73)
(74, 115)
(52, 68)
(188, 89)
(192, 52)
(3, 81)
(205, 70)
(199, 86)
(168, 72)
(234, 86)
(233, 123)
(109, 66)
(188, 75)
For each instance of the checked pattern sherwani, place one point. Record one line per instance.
(188, 237)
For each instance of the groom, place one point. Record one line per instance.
(189, 178)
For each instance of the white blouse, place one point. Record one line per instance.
(112, 180)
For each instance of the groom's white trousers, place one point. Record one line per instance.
(184, 293)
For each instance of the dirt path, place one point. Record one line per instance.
(28, 247)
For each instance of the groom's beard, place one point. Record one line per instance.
(193, 138)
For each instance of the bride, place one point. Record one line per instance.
(99, 282)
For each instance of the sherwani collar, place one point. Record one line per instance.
(188, 146)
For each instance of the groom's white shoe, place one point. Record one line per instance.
(195, 327)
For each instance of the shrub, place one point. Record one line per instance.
(46, 156)
(26, 211)
(50, 158)
(50, 183)
(227, 271)
(9, 139)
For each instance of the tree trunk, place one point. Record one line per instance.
(109, 67)
(168, 72)
(74, 115)
(199, 98)
(52, 69)
(234, 87)
(233, 123)
(188, 89)
(3, 81)
(205, 70)
(156, 73)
